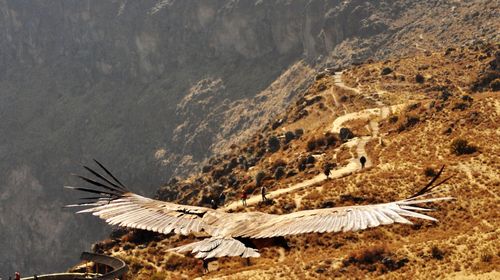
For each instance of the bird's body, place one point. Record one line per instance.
(117, 206)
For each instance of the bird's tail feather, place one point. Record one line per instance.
(217, 247)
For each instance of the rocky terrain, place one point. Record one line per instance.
(155, 88)
(442, 109)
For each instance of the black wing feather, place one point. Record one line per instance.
(109, 173)
(99, 184)
(429, 186)
(117, 187)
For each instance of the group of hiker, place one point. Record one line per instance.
(263, 189)
(243, 197)
(326, 170)
(263, 192)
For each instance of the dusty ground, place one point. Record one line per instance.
(446, 105)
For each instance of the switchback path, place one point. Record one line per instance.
(372, 114)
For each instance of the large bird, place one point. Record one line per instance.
(116, 205)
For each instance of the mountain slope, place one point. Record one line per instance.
(444, 107)
(154, 88)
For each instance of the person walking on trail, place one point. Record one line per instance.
(326, 170)
(222, 198)
(205, 265)
(244, 197)
(18, 276)
(362, 160)
(214, 204)
(263, 191)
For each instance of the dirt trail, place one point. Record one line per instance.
(337, 78)
(373, 114)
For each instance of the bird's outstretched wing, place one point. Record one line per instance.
(347, 218)
(118, 206)
(113, 203)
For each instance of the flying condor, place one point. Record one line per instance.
(114, 203)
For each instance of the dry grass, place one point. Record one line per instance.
(464, 242)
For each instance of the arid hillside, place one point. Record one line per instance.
(408, 117)
(154, 88)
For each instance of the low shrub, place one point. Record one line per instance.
(437, 253)
(419, 78)
(259, 177)
(345, 134)
(331, 139)
(462, 147)
(289, 136)
(386, 71)
(279, 173)
(299, 132)
(311, 145)
(273, 144)
(429, 172)
(278, 163)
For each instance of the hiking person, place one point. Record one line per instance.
(362, 160)
(205, 266)
(222, 198)
(244, 197)
(326, 170)
(263, 191)
(214, 204)
(18, 276)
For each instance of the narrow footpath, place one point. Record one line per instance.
(374, 115)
